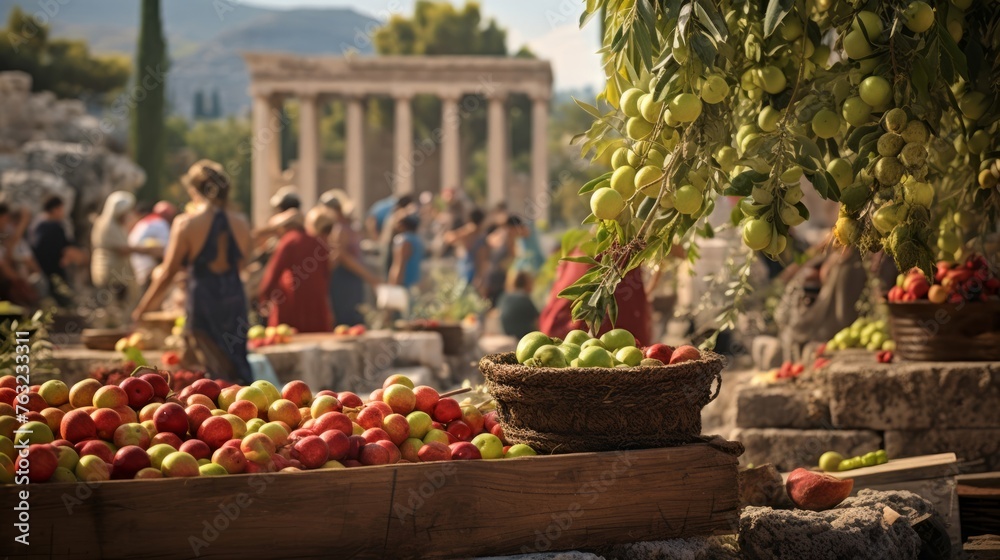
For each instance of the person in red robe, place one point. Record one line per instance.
(295, 283)
(634, 312)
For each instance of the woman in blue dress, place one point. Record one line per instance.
(212, 242)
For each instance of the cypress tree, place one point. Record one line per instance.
(216, 104)
(148, 112)
(199, 105)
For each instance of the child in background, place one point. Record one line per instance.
(518, 313)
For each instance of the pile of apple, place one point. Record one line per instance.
(972, 280)
(615, 348)
(258, 335)
(864, 332)
(140, 429)
(348, 330)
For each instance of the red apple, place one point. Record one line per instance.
(170, 417)
(660, 352)
(311, 451)
(356, 443)
(206, 387)
(685, 353)
(425, 398)
(397, 428)
(300, 433)
(196, 448)
(297, 392)
(326, 393)
(243, 409)
(265, 467)
(41, 461)
(394, 454)
(497, 430)
(373, 454)
(231, 459)
(460, 430)
(489, 420)
(7, 395)
(127, 415)
(386, 409)
(198, 398)
(285, 411)
(258, 448)
(349, 399)
(446, 410)
(215, 431)
(334, 421)
(139, 392)
(400, 398)
(372, 435)
(337, 443)
(234, 443)
(356, 330)
(376, 395)
(197, 414)
(473, 418)
(464, 451)
(409, 450)
(171, 439)
(95, 447)
(916, 283)
(106, 421)
(128, 461)
(370, 417)
(817, 491)
(35, 402)
(77, 426)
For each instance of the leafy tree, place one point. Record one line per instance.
(439, 28)
(149, 112)
(61, 66)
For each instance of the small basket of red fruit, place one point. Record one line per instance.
(954, 318)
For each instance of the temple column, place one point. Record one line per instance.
(354, 153)
(451, 172)
(403, 118)
(496, 150)
(309, 150)
(266, 154)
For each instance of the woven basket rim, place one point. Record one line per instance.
(708, 358)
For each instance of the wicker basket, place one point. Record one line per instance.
(571, 410)
(452, 335)
(946, 332)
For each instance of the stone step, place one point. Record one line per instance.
(786, 405)
(969, 444)
(913, 396)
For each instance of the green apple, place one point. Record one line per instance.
(630, 355)
(255, 395)
(62, 474)
(490, 446)
(7, 447)
(529, 344)
(212, 469)
(33, 432)
(617, 338)
(420, 423)
(570, 350)
(254, 424)
(593, 343)
(68, 457)
(436, 435)
(158, 453)
(550, 356)
(577, 337)
(92, 468)
(255, 332)
(270, 391)
(651, 362)
(595, 356)
(7, 470)
(519, 450)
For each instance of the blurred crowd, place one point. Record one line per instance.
(310, 268)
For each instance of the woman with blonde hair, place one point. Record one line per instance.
(213, 243)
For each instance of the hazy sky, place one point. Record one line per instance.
(549, 28)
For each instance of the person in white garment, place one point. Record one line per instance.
(153, 232)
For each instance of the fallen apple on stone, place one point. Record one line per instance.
(817, 491)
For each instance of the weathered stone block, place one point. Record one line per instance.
(968, 444)
(782, 406)
(858, 528)
(913, 396)
(790, 449)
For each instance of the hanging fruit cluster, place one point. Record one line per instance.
(880, 105)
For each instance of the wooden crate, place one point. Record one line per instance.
(431, 510)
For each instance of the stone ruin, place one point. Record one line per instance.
(53, 146)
